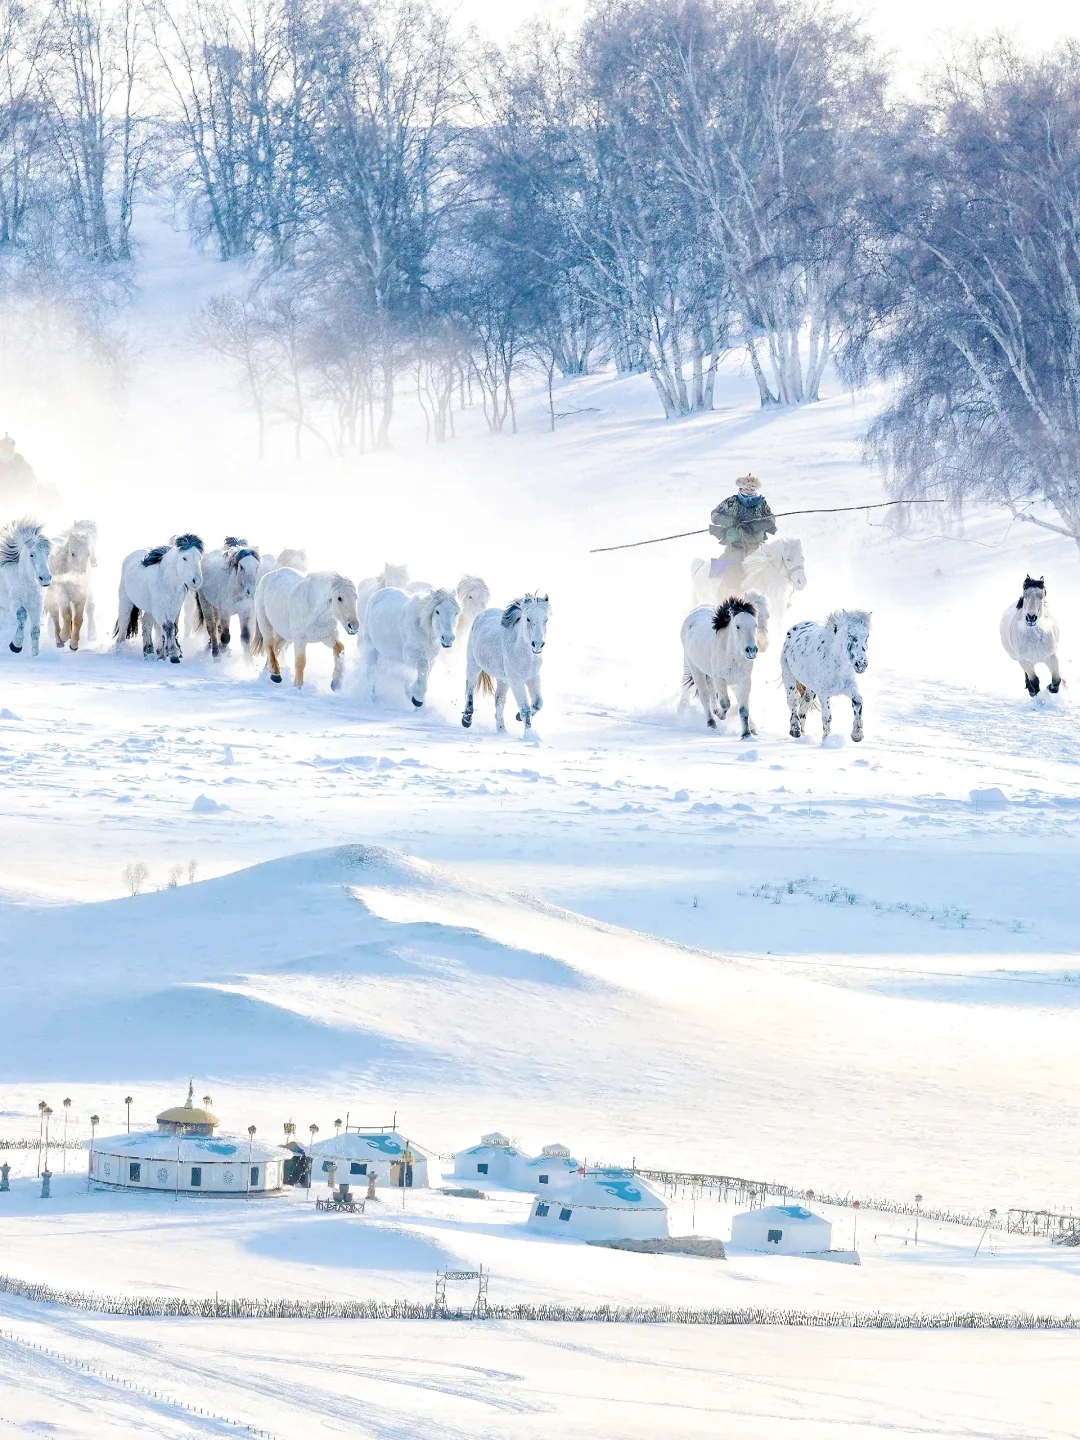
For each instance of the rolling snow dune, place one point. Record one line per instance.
(380, 982)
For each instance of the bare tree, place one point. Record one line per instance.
(135, 876)
(239, 330)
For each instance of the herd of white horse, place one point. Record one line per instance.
(276, 603)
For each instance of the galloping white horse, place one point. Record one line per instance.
(409, 630)
(819, 661)
(69, 601)
(776, 570)
(505, 653)
(720, 645)
(391, 577)
(1030, 635)
(153, 584)
(302, 610)
(229, 578)
(24, 574)
(474, 597)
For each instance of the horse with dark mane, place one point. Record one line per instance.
(228, 588)
(153, 584)
(1030, 636)
(720, 645)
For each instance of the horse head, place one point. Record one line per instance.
(393, 577)
(791, 556)
(1031, 601)
(741, 617)
(188, 550)
(532, 612)
(343, 603)
(442, 610)
(854, 625)
(473, 595)
(243, 561)
(23, 543)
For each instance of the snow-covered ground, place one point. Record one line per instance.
(850, 967)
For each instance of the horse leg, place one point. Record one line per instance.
(245, 630)
(147, 627)
(168, 641)
(299, 663)
(35, 633)
(371, 667)
(472, 674)
(700, 682)
(272, 657)
(743, 696)
(213, 626)
(78, 612)
(826, 715)
(57, 627)
(1055, 675)
(1031, 680)
(419, 691)
(16, 642)
(226, 633)
(524, 712)
(856, 713)
(338, 648)
(501, 688)
(721, 698)
(535, 697)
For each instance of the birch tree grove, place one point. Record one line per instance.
(976, 320)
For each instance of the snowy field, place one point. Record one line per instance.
(850, 967)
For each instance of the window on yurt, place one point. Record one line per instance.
(254, 1174)
(564, 1213)
(541, 1208)
(134, 1171)
(482, 1169)
(358, 1167)
(543, 1179)
(775, 1236)
(196, 1175)
(326, 1166)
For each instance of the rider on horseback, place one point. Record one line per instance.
(741, 523)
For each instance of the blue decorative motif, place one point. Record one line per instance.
(386, 1143)
(622, 1190)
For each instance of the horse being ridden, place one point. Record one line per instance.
(302, 610)
(24, 575)
(69, 601)
(505, 653)
(1030, 635)
(153, 584)
(775, 569)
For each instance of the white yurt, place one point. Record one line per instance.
(495, 1161)
(603, 1204)
(784, 1229)
(548, 1173)
(354, 1154)
(184, 1154)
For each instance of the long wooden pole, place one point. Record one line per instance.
(780, 515)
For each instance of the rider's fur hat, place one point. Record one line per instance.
(749, 482)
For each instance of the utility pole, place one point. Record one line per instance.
(918, 1202)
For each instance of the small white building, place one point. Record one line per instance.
(392, 1158)
(785, 1229)
(496, 1161)
(603, 1204)
(184, 1154)
(549, 1173)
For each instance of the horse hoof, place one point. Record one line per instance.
(466, 721)
(15, 649)
(1053, 687)
(74, 647)
(416, 702)
(857, 737)
(276, 679)
(711, 723)
(175, 659)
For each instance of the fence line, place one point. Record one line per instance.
(247, 1308)
(755, 1193)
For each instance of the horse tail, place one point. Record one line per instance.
(688, 681)
(200, 622)
(485, 684)
(257, 640)
(130, 626)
